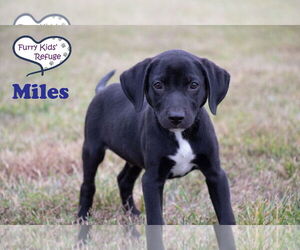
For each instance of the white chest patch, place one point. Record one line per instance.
(183, 157)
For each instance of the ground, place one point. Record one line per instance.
(257, 125)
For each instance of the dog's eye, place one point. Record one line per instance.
(157, 85)
(194, 85)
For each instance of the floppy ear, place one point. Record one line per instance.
(133, 83)
(217, 81)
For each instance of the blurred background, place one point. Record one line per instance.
(257, 124)
(137, 12)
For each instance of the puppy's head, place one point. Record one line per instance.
(176, 85)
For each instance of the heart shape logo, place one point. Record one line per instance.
(51, 19)
(48, 53)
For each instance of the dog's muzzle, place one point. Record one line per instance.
(176, 117)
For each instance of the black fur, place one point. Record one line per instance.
(176, 85)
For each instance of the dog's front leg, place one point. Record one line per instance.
(218, 188)
(153, 197)
(220, 195)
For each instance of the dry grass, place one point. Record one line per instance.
(257, 125)
(46, 159)
(134, 237)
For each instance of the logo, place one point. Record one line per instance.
(49, 53)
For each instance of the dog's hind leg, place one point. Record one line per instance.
(92, 156)
(126, 180)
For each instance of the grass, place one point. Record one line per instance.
(257, 125)
(134, 237)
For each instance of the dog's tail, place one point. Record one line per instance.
(101, 84)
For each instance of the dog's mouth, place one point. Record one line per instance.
(177, 127)
(174, 123)
(171, 126)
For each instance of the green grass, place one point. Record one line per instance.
(257, 125)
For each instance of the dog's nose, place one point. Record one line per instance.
(176, 117)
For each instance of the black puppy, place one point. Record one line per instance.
(169, 134)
